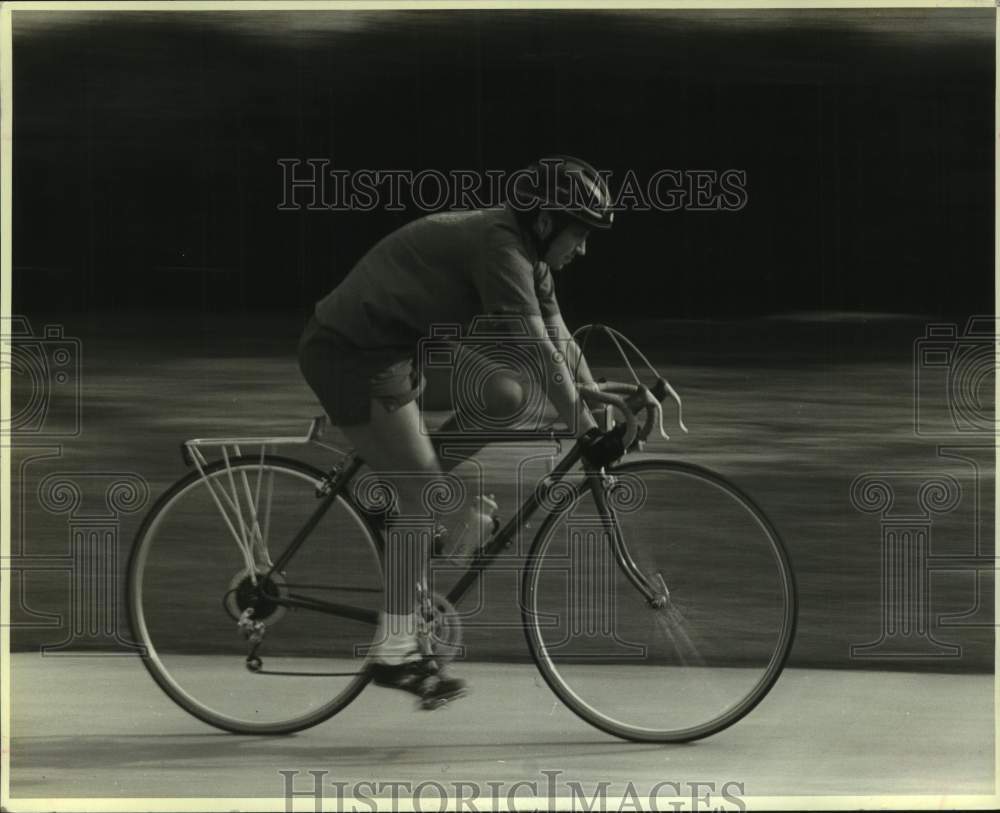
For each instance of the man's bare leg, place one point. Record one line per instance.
(395, 445)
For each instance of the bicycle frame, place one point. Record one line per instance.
(339, 479)
(500, 540)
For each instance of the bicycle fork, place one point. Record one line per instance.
(654, 589)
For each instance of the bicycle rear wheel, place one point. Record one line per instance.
(189, 583)
(662, 608)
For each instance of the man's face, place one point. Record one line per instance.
(572, 240)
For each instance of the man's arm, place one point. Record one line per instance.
(574, 356)
(561, 389)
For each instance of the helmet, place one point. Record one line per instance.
(566, 184)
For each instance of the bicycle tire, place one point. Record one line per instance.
(137, 612)
(533, 613)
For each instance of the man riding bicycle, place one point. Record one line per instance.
(358, 354)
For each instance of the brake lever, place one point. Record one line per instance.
(661, 389)
(658, 419)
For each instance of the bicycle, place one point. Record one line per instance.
(657, 599)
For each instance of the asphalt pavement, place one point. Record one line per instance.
(100, 727)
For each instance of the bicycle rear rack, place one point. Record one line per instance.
(243, 507)
(191, 449)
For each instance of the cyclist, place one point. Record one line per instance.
(358, 354)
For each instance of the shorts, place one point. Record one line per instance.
(346, 377)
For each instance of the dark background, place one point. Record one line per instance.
(146, 146)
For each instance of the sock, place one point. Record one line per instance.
(396, 640)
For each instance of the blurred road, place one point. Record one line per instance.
(99, 726)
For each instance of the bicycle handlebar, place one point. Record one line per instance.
(604, 394)
(620, 394)
(654, 397)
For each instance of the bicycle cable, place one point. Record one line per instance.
(616, 337)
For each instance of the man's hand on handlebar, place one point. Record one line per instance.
(601, 449)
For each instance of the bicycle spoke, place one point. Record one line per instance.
(219, 496)
(234, 501)
(668, 603)
(263, 551)
(672, 622)
(267, 513)
(213, 628)
(257, 542)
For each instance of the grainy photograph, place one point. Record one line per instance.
(498, 407)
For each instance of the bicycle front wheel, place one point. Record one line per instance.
(659, 603)
(201, 561)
